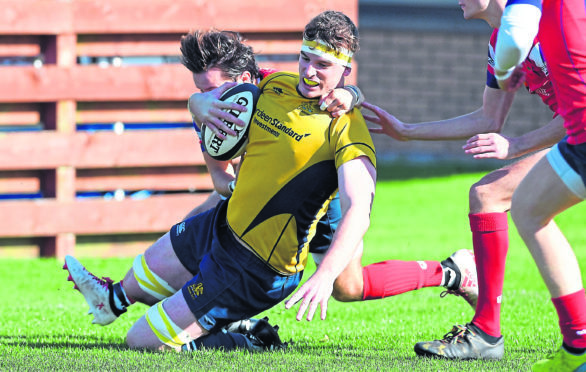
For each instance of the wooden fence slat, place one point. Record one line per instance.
(146, 44)
(167, 178)
(135, 16)
(168, 44)
(31, 17)
(104, 180)
(19, 182)
(133, 112)
(48, 149)
(20, 45)
(19, 114)
(93, 83)
(48, 217)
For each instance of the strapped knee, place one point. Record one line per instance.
(150, 282)
(165, 329)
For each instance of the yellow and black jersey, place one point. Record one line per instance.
(289, 172)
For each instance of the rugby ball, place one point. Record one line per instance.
(244, 94)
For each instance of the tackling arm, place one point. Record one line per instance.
(489, 118)
(222, 173)
(207, 108)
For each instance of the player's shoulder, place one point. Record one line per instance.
(264, 72)
(353, 117)
(280, 78)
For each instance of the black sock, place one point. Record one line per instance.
(485, 336)
(115, 290)
(453, 271)
(574, 350)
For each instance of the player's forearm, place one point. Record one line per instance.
(540, 138)
(222, 173)
(194, 103)
(222, 183)
(460, 127)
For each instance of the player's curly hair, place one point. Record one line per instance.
(203, 50)
(335, 29)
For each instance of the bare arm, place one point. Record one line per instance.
(489, 118)
(493, 145)
(356, 180)
(222, 173)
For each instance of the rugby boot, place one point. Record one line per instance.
(462, 280)
(561, 361)
(265, 337)
(261, 337)
(98, 293)
(242, 326)
(462, 342)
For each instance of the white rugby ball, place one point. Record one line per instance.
(244, 94)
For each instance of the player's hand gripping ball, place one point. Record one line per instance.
(244, 94)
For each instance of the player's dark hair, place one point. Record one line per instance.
(203, 50)
(334, 28)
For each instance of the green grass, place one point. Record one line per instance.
(44, 325)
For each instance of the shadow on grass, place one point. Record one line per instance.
(71, 341)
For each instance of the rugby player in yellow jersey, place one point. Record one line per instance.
(250, 251)
(214, 58)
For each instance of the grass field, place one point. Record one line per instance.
(44, 326)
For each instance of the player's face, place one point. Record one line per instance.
(209, 80)
(318, 76)
(474, 8)
(214, 77)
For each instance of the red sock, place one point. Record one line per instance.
(389, 278)
(491, 242)
(571, 311)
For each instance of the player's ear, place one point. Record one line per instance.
(347, 71)
(245, 77)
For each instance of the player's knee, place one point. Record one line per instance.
(150, 284)
(133, 340)
(157, 331)
(347, 291)
(483, 195)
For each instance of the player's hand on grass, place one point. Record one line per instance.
(207, 109)
(389, 125)
(510, 81)
(316, 291)
(489, 146)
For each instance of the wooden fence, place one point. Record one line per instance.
(64, 63)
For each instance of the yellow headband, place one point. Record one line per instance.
(318, 47)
